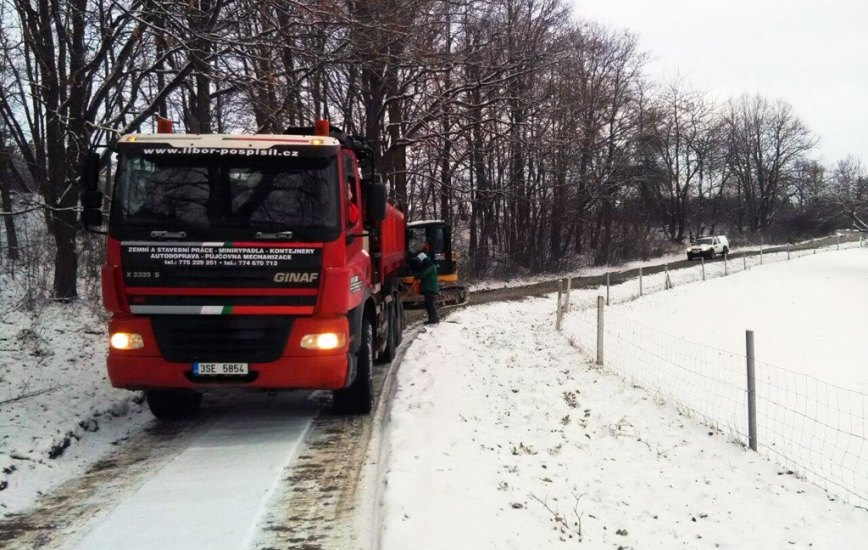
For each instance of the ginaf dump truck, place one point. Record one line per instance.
(248, 261)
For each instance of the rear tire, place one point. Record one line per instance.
(173, 404)
(358, 397)
(391, 344)
(401, 322)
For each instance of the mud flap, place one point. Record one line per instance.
(352, 369)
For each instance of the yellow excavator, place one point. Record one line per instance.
(434, 237)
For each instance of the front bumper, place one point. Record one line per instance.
(296, 368)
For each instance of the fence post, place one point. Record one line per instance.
(567, 301)
(744, 261)
(640, 281)
(838, 246)
(761, 253)
(788, 250)
(668, 283)
(607, 288)
(751, 391)
(725, 265)
(559, 313)
(703, 267)
(600, 308)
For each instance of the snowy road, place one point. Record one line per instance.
(212, 494)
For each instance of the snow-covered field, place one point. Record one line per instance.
(504, 435)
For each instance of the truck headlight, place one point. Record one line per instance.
(126, 340)
(327, 340)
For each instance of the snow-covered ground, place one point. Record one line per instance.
(504, 435)
(58, 412)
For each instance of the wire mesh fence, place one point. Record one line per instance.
(811, 427)
(815, 429)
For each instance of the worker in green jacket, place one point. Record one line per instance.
(425, 270)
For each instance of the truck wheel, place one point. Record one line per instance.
(401, 323)
(358, 398)
(391, 336)
(173, 404)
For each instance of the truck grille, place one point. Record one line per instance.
(247, 339)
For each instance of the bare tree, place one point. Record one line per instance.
(849, 191)
(75, 74)
(683, 142)
(765, 142)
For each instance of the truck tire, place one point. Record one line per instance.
(391, 336)
(402, 323)
(358, 397)
(173, 404)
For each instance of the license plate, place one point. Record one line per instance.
(220, 369)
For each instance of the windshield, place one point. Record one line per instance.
(707, 240)
(419, 236)
(226, 197)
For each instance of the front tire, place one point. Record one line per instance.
(173, 404)
(358, 397)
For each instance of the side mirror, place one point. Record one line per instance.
(90, 195)
(376, 202)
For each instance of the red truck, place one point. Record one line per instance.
(248, 261)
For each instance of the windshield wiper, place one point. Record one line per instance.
(281, 235)
(161, 234)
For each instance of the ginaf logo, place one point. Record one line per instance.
(293, 277)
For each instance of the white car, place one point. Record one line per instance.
(708, 247)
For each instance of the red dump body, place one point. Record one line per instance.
(249, 272)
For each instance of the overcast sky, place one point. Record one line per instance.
(811, 53)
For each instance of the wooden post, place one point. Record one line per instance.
(600, 308)
(667, 284)
(744, 261)
(725, 265)
(788, 250)
(640, 281)
(838, 246)
(703, 267)
(559, 313)
(567, 301)
(751, 391)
